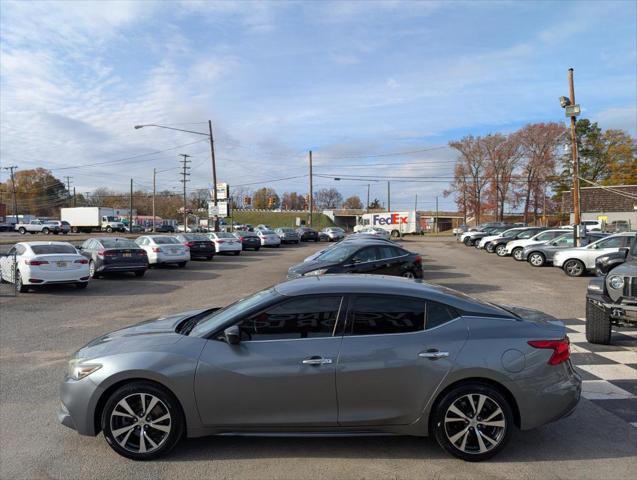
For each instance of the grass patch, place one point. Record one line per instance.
(280, 219)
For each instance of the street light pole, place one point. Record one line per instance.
(576, 191)
(311, 199)
(154, 193)
(367, 207)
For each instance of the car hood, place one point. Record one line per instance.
(310, 265)
(150, 333)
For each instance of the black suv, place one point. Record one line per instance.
(611, 298)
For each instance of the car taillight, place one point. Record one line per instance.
(36, 262)
(83, 261)
(241, 238)
(189, 244)
(221, 241)
(418, 259)
(561, 349)
(156, 249)
(106, 253)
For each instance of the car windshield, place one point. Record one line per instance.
(52, 249)
(219, 317)
(338, 254)
(118, 243)
(563, 240)
(165, 240)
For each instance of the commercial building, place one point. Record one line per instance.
(608, 204)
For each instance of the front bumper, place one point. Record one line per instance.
(621, 312)
(78, 400)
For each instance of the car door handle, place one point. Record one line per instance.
(433, 354)
(316, 361)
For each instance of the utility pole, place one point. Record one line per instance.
(311, 199)
(367, 207)
(436, 221)
(214, 177)
(15, 201)
(74, 198)
(388, 198)
(416, 203)
(185, 174)
(576, 192)
(154, 192)
(68, 189)
(130, 208)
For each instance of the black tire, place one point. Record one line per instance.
(19, 286)
(46, 231)
(516, 253)
(489, 248)
(238, 252)
(210, 257)
(394, 234)
(444, 431)
(140, 273)
(256, 249)
(109, 229)
(22, 230)
(277, 246)
(182, 264)
(81, 285)
(574, 268)
(467, 241)
(75, 230)
(501, 250)
(537, 259)
(597, 325)
(166, 401)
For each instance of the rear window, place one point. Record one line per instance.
(224, 235)
(165, 240)
(48, 249)
(118, 243)
(267, 232)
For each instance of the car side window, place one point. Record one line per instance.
(546, 236)
(367, 254)
(439, 314)
(382, 315)
(307, 317)
(613, 242)
(13, 250)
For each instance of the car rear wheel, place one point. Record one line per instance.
(501, 250)
(467, 241)
(19, 286)
(537, 259)
(140, 273)
(22, 230)
(473, 422)
(81, 285)
(182, 264)
(238, 252)
(489, 248)
(209, 257)
(142, 421)
(597, 325)
(517, 253)
(46, 231)
(574, 268)
(408, 274)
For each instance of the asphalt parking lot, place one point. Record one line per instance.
(38, 332)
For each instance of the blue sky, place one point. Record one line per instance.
(345, 79)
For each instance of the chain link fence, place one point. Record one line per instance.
(7, 275)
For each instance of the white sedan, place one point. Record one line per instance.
(268, 238)
(226, 242)
(164, 249)
(43, 263)
(577, 261)
(375, 231)
(516, 247)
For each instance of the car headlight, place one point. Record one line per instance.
(616, 282)
(320, 271)
(78, 370)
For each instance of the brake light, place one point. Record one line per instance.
(106, 253)
(221, 241)
(36, 262)
(561, 349)
(189, 244)
(83, 261)
(418, 259)
(241, 238)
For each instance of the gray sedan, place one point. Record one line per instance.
(541, 254)
(330, 355)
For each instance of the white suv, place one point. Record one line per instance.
(577, 261)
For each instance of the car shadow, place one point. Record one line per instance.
(433, 274)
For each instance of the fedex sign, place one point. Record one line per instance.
(393, 219)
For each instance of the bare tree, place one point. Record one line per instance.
(472, 165)
(353, 202)
(328, 198)
(503, 155)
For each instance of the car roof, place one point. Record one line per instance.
(389, 285)
(43, 243)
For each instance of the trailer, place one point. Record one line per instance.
(89, 219)
(396, 223)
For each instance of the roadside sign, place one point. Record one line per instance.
(572, 110)
(222, 191)
(221, 210)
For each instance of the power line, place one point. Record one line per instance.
(389, 154)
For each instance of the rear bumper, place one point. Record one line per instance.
(229, 248)
(53, 277)
(168, 258)
(122, 268)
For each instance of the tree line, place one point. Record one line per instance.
(531, 168)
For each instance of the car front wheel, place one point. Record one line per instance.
(501, 250)
(574, 268)
(473, 422)
(489, 248)
(597, 325)
(537, 259)
(142, 421)
(517, 253)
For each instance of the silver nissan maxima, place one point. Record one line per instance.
(335, 355)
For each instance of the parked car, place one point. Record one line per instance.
(370, 257)
(516, 247)
(114, 254)
(30, 264)
(249, 240)
(352, 239)
(482, 244)
(226, 242)
(618, 226)
(472, 238)
(307, 234)
(200, 245)
(263, 226)
(164, 249)
(134, 229)
(350, 353)
(498, 244)
(577, 261)
(375, 232)
(37, 226)
(593, 225)
(541, 254)
(164, 228)
(611, 299)
(287, 235)
(268, 238)
(332, 234)
(63, 227)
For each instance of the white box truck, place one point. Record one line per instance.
(396, 223)
(88, 219)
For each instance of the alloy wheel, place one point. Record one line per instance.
(501, 250)
(574, 268)
(140, 423)
(475, 424)
(536, 259)
(409, 274)
(517, 254)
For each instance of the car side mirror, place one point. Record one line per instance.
(232, 335)
(79, 249)
(595, 246)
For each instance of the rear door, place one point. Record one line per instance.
(366, 260)
(395, 352)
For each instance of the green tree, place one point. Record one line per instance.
(265, 198)
(38, 193)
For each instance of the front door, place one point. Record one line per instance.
(281, 374)
(367, 260)
(395, 352)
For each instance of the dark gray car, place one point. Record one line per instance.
(339, 354)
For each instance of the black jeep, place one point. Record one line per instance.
(611, 298)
